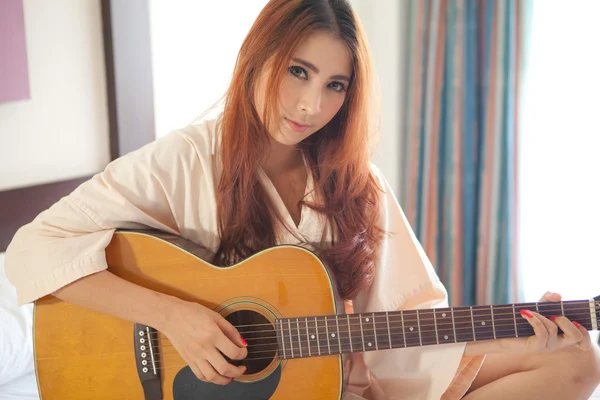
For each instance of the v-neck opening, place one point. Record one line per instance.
(283, 210)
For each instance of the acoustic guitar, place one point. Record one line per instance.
(283, 302)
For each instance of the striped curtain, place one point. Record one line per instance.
(459, 141)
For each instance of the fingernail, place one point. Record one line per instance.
(577, 324)
(552, 318)
(243, 341)
(231, 380)
(526, 313)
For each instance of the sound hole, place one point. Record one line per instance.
(260, 335)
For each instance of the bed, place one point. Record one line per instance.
(17, 377)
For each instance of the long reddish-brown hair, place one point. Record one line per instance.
(338, 155)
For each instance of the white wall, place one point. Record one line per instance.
(559, 212)
(194, 47)
(195, 44)
(385, 24)
(62, 131)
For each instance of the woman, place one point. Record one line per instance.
(285, 161)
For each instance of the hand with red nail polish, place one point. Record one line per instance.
(204, 339)
(546, 337)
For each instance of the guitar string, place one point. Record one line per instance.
(476, 309)
(457, 319)
(345, 346)
(379, 335)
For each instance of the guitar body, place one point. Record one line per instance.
(81, 354)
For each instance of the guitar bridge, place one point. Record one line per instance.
(147, 361)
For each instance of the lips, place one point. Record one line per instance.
(296, 126)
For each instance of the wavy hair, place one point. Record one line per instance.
(338, 155)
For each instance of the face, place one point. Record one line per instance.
(312, 91)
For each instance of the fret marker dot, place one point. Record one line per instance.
(482, 322)
(411, 329)
(333, 335)
(369, 344)
(367, 319)
(443, 314)
(446, 337)
(312, 336)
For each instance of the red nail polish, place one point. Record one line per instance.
(553, 318)
(231, 380)
(577, 324)
(243, 341)
(526, 313)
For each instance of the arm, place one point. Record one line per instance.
(120, 298)
(62, 252)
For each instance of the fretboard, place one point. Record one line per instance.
(349, 333)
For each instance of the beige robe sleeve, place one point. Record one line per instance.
(404, 279)
(144, 189)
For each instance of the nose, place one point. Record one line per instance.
(310, 101)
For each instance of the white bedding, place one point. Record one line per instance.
(17, 378)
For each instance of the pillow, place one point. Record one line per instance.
(22, 388)
(16, 336)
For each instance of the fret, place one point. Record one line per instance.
(454, 326)
(419, 326)
(464, 330)
(282, 337)
(299, 342)
(387, 319)
(593, 321)
(291, 341)
(427, 329)
(523, 327)
(313, 338)
(445, 331)
(343, 332)
(349, 333)
(437, 335)
(327, 334)
(493, 322)
(537, 308)
(504, 322)
(375, 331)
(337, 328)
(317, 338)
(308, 337)
(361, 331)
(403, 330)
(562, 309)
(382, 331)
(473, 323)
(367, 332)
(482, 322)
(411, 325)
(515, 321)
(551, 308)
(582, 312)
(332, 336)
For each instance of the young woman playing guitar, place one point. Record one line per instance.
(287, 161)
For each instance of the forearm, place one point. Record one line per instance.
(107, 293)
(483, 347)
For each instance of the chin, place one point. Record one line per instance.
(287, 139)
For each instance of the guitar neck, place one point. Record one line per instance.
(348, 333)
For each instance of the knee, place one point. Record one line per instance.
(585, 366)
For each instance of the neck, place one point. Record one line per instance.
(348, 333)
(282, 158)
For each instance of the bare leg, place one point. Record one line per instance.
(569, 373)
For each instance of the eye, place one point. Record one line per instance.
(298, 72)
(337, 86)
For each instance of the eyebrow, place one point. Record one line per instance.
(316, 70)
